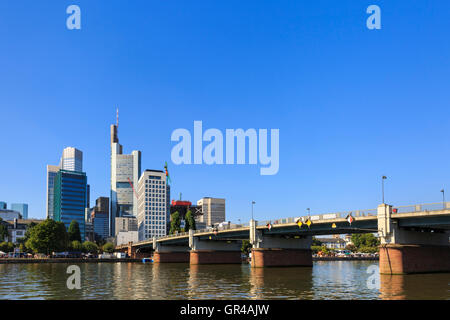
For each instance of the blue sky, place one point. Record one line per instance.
(351, 104)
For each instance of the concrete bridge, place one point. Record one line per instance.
(414, 239)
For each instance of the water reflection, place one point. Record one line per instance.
(138, 281)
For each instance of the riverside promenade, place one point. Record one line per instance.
(64, 260)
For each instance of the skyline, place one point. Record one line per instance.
(351, 104)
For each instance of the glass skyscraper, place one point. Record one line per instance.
(22, 208)
(70, 198)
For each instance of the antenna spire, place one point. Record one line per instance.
(117, 118)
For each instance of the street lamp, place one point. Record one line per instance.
(382, 186)
(253, 202)
(309, 211)
(443, 198)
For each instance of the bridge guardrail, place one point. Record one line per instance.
(327, 216)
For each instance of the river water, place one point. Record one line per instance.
(325, 280)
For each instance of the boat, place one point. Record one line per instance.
(147, 260)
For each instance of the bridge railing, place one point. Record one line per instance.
(423, 207)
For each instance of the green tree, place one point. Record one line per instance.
(74, 231)
(316, 242)
(108, 247)
(90, 247)
(190, 222)
(175, 223)
(365, 240)
(3, 230)
(246, 247)
(47, 237)
(76, 246)
(316, 249)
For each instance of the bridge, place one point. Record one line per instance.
(414, 239)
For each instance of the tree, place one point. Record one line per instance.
(190, 222)
(3, 231)
(76, 246)
(175, 223)
(90, 247)
(108, 247)
(246, 247)
(47, 237)
(74, 231)
(6, 247)
(351, 247)
(365, 240)
(316, 249)
(316, 242)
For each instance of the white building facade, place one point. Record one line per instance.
(213, 211)
(152, 204)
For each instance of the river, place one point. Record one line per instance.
(325, 280)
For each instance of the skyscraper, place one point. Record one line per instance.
(51, 174)
(22, 208)
(125, 173)
(100, 218)
(72, 159)
(70, 198)
(152, 209)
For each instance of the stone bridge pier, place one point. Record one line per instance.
(406, 250)
(214, 252)
(169, 253)
(279, 251)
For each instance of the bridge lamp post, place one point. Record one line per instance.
(382, 186)
(443, 198)
(253, 203)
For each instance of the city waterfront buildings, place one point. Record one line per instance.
(125, 173)
(22, 208)
(2, 205)
(152, 204)
(213, 211)
(70, 198)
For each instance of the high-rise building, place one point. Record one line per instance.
(22, 208)
(125, 173)
(213, 211)
(72, 159)
(70, 198)
(2, 205)
(51, 174)
(100, 218)
(126, 224)
(153, 205)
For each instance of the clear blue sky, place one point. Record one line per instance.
(351, 104)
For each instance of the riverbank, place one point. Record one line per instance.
(346, 258)
(65, 260)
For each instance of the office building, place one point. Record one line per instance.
(51, 174)
(213, 211)
(70, 198)
(72, 160)
(125, 237)
(100, 218)
(10, 215)
(22, 208)
(152, 204)
(125, 224)
(2, 205)
(125, 173)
